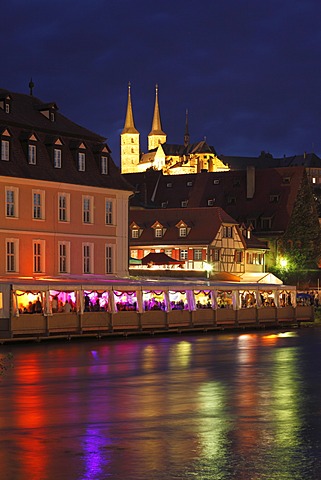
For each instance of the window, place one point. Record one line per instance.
(184, 203)
(104, 165)
(169, 185)
(32, 154)
(183, 232)
(63, 207)
(7, 108)
(63, 257)
(216, 255)
(198, 254)
(57, 158)
(274, 198)
(227, 232)
(189, 184)
(11, 202)
(135, 233)
(38, 256)
(266, 223)
(231, 200)
(38, 204)
(158, 232)
(12, 249)
(164, 204)
(211, 202)
(109, 212)
(216, 182)
(255, 258)
(87, 209)
(168, 251)
(87, 257)
(238, 256)
(81, 161)
(183, 254)
(5, 150)
(109, 259)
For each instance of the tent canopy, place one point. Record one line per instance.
(160, 259)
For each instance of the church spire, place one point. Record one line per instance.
(186, 134)
(156, 136)
(129, 121)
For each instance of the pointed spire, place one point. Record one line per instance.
(157, 124)
(129, 121)
(186, 134)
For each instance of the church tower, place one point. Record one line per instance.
(156, 136)
(129, 141)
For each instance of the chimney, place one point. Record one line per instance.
(250, 182)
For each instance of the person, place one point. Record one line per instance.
(54, 304)
(67, 307)
(38, 306)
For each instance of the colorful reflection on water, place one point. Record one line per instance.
(224, 406)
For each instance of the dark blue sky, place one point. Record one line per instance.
(249, 71)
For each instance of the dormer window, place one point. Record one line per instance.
(286, 180)
(158, 232)
(5, 145)
(81, 161)
(274, 198)
(164, 204)
(57, 158)
(189, 184)
(32, 154)
(5, 103)
(184, 203)
(169, 185)
(135, 233)
(210, 202)
(48, 110)
(216, 182)
(266, 223)
(104, 165)
(182, 231)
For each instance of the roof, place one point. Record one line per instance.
(275, 192)
(25, 118)
(266, 160)
(202, 223)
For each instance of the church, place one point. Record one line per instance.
(171, 159)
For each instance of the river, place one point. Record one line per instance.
(243, 406)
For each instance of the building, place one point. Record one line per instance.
(65, 203)
(276, 204)
(171, 159)
(198, 237)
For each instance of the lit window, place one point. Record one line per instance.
(12, 249)
(38, 205)
(109, 259)
(5, 150)
(63, 257)
(135, 233)
(32, 154)
(183, 254)
(87, 209)
(104, 165)
(158, 232)
(63, 207)
(198, 254)
(108, 212)
(57, 158)
(182, 231)
(38, 256)
(81, 162)
(87, 257)
(11, 202)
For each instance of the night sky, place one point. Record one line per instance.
(248, 71)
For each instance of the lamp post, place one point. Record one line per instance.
(208, 268)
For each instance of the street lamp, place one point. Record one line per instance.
(208, 268)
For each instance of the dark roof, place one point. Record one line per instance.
(26, 118)
(275, 191)
(160, 259)
(266, 160)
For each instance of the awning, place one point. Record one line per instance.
(160, 259)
